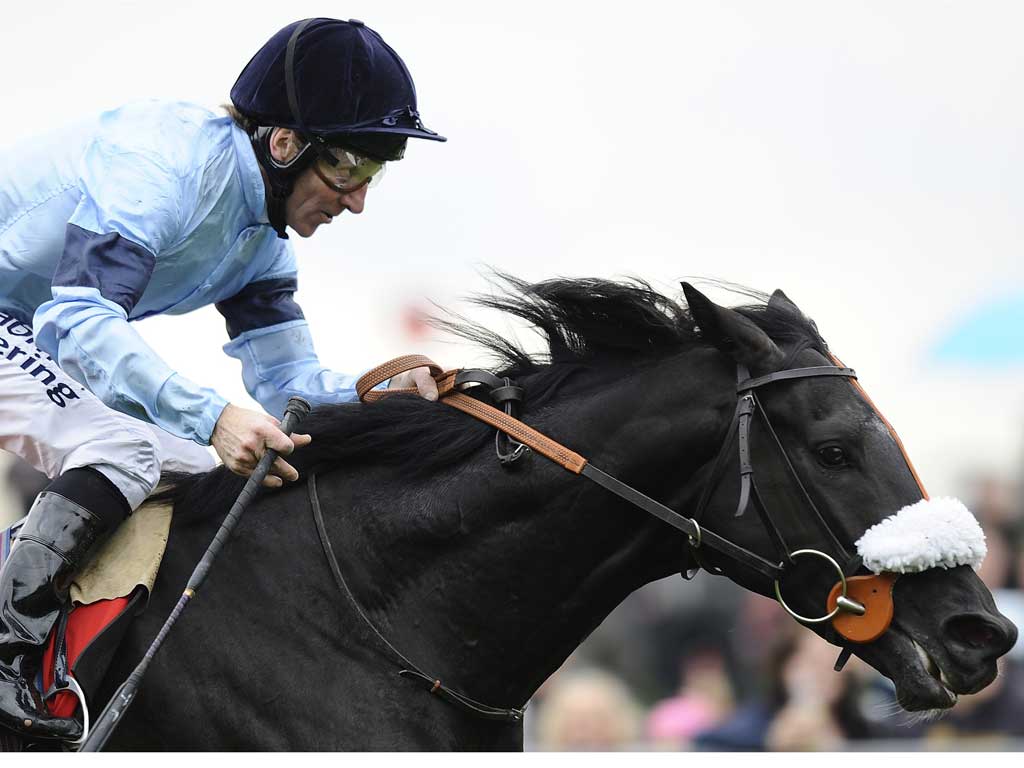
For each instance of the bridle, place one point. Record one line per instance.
(748, 406)
(840, 601)
(841, 604)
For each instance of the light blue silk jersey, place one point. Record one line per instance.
(149, 209)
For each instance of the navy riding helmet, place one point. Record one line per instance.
(336, 83)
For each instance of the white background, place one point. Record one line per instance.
(865, 157)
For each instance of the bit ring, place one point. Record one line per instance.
(830, 614)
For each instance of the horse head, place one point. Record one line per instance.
(826, 468)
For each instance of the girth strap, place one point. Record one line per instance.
(428, 682)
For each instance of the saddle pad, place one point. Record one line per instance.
(85, 625)
(105, 594)
(128, 559)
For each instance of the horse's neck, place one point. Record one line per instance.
(515, 568)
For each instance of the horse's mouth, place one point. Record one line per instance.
(932, 668)
(921, 682)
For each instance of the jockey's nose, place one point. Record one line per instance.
(355, 201)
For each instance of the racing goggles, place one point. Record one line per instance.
(344, 171)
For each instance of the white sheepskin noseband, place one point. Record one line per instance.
(928, 534)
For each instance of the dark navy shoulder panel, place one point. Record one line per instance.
(117, 267)
(260, 305)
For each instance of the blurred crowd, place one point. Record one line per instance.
(705, 666)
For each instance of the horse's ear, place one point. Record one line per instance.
(734, 334)
(782, 301)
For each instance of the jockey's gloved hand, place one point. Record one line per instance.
(241, 437)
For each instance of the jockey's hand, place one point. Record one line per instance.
(241, 437)
(419, 378)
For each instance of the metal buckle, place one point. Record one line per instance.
(843, 603)
(517, 452)
(695, 543)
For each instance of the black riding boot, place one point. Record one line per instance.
(52, 545)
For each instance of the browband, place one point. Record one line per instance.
(795, 373)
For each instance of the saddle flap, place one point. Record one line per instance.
(92, 635)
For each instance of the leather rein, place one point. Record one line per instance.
(410, 670)
(515, 438)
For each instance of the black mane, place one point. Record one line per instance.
(587, 324)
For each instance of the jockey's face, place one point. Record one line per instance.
(311, 202)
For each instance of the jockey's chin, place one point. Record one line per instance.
(313, 203)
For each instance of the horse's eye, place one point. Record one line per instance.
(832, 456)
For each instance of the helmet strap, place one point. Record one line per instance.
(281, 176)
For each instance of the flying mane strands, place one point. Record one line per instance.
(591, 324)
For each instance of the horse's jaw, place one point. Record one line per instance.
(944, 641)
(920, 683)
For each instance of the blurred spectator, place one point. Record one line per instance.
(646, 639)
(997, 568)
(988, 719)
(704, 699)
(994, 500)
(1018, 559)
(815, 712)
(804, 705)
(1003, 567)
(586, 710)
(996, 503)
(762, 618)
(23, 483)
(26, 483)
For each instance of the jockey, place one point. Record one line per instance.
(164, 208)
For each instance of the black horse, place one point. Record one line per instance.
(488, 578)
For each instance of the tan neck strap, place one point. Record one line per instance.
(488, 414)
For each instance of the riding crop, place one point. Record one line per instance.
(122, 699)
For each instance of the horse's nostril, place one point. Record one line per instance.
(973, 631)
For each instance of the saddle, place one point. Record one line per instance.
(106, 595)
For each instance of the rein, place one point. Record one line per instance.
(447, 381)
(851, 596)
(411, 671)
(851, 618)
(447, 387)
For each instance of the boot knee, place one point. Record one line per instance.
(95, 493)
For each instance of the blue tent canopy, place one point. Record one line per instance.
(990, 335)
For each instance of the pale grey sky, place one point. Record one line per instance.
(863, 157)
